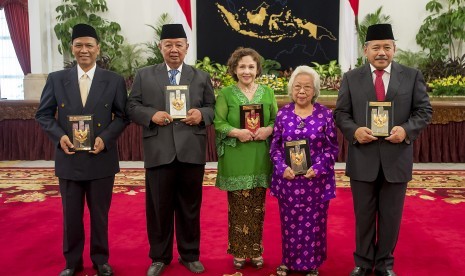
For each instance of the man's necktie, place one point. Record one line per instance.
(173, 74)
(379, 85)
(84, 88)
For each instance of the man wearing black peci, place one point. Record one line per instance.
(380, 167)
(84, 176)
(174, 151)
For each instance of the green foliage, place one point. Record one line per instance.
(409, 58)
(370, 19)
(360, 61)
(155, 56)
(449, 86)
(275, 82)
(218, 73)
(72, 12)
(128, 63)
(269, 66)
(443, 32)
(434, 69)
(330, 74)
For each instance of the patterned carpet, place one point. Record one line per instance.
(36, 184)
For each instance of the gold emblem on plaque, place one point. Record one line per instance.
(178, 104)
(178, 100)
(253, 122)
(380, 119)
(297, 156)
(80, 135)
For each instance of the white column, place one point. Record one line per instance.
(40, 44)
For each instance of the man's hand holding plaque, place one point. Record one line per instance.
(66, 145)
(364, 135)
(194, 117)
(99, 145)
(398, 135)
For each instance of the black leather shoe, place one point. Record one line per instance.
(195, 267)
(71, 271)
(387, 272)
(155, 269)
(360, 271)
(103, 270)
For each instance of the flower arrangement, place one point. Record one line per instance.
(278, 84)
(448, 86)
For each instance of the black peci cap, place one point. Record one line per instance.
(83, 30)
(379, 32)
(172, 31)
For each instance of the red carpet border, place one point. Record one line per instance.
(37, 184)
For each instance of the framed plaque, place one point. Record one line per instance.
(251, 116)
(298, 156)
(81, 129)
(177, 101)
(380, 117)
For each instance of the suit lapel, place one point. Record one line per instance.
(96, 91)
(161, 74)
(366, 83)
(394, 81)
(187, 75)
(72, 93)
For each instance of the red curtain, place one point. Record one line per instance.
(18, 23)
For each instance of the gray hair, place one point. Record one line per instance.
(305, 70)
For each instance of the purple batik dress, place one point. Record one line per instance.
(303, 203)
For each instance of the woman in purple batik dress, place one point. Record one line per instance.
(304, 198)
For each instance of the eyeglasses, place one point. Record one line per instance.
(307, 88)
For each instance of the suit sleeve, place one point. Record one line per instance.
(421, 110)
(135, 109)
(207, 110)
(47, 110)
(120, 121)
(343, 111)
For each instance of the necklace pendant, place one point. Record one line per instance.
(301, 124)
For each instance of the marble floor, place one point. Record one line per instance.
(140, 164)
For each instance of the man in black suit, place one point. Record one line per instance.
(380, 167)
(174, 150)
(85, 176)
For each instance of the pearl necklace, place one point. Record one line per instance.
(245, 90)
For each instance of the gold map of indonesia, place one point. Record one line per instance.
(273, 27)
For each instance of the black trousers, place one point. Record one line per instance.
(378, 207)
(74, 194)
(174, 196)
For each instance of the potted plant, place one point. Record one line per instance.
(72, 12)
(443, 35)
(155, 56)
(370, 19)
